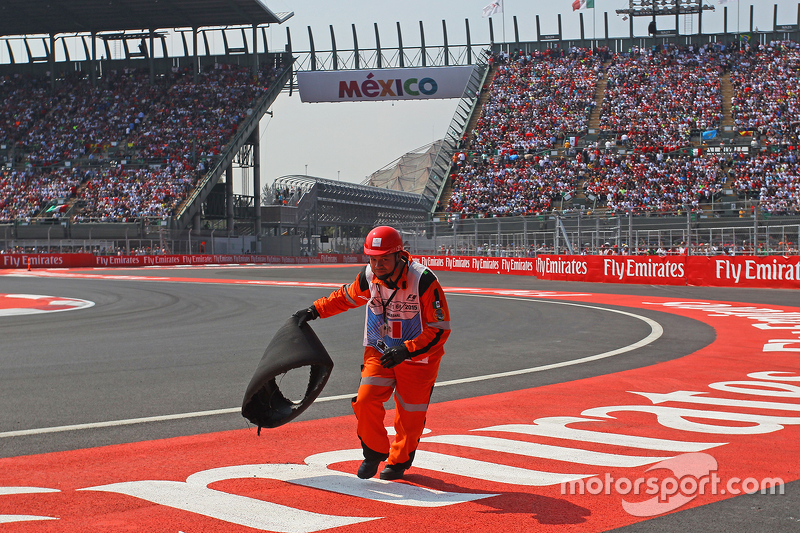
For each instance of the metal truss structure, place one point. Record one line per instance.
(652, 8)
(357, 57)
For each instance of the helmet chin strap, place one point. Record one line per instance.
(392, 284)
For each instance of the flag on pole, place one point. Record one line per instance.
(580, 4)
(495, 7)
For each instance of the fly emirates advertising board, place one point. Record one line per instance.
(780, 272)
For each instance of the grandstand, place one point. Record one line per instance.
(144, 146)
(346, 211)
(136, 141)
(659, 148)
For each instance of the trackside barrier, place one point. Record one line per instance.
(83, 260)
(775, 272)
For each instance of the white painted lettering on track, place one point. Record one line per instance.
(9, 491)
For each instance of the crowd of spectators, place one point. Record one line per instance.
(513, 187)
(536, 102)
(766, 99)
(286, 195)
(772, 177)
(656, 103)
(766, 105)
(23, 101)
(654, 182)
(136, 148)
(195, 120)
(655, 99)
(84, 121)
(24, 193)
(646, 247)
(141, 249)
(658, 97)
(121, 194)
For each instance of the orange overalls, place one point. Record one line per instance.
(414, 313)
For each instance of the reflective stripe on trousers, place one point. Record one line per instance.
(413, 384)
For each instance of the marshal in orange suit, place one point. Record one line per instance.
(405, 330)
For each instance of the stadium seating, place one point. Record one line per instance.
(135, 149)
(654, 182)
(537, 102)
(649, 158)
(766, 104)
(659, 97)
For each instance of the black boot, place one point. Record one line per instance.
(369, 468)
(372, 460)
(392, 472)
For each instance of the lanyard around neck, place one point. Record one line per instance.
(385, 304)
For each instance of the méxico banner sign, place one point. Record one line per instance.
(383, 84)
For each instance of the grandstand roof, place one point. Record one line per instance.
(355, 193)
(24, 17)
(337, 202)
(409, 172)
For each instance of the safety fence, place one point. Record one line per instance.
(558, 232)
(677, 234)
(106, 240)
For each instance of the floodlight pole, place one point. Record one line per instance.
(196, 69)
(255, 141)
(230, 222)
(51, 59)
(151, 60)
(93, 69)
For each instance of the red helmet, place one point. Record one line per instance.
(383, 240)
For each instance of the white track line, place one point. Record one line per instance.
(656, 331)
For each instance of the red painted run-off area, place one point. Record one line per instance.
(712, 271)
(742, 408)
